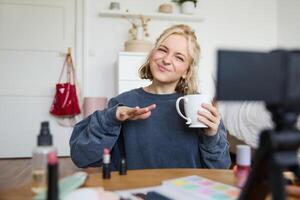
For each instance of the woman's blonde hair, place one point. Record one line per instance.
(189, 84)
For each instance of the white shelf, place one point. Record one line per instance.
(159, 16)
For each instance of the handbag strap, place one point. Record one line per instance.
(70, 70)
(63, 68)
(74, 79)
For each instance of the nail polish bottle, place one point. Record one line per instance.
(243, 161)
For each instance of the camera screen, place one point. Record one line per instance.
(245, 75)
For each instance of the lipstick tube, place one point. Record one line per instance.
(106, 164)
(52, 192)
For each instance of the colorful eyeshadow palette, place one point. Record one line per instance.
(196, 187)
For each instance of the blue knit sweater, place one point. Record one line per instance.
(161, 141)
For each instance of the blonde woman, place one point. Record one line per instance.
(153, 134)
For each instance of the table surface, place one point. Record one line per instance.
(133, 179)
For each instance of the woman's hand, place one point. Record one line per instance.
(127, 113)
(211, 119)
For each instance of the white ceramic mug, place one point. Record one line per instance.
(192, 104)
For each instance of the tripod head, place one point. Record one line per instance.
(284, 119)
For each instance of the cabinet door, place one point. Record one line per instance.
(128, 66)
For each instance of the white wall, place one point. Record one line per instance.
(289, 23)
(247, 24)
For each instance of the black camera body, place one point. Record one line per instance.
(272, 77)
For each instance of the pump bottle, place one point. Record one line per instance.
(40, 158)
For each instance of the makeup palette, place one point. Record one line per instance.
(196, 187)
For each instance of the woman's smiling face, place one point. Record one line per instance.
(170, 61)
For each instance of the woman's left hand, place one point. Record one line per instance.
(211, 119)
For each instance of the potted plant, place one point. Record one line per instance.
(187, 6)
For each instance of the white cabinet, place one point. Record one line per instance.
(128, 66)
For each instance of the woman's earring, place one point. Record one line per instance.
(184, 84)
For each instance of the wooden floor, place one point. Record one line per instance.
(16, 172)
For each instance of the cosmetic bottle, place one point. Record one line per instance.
(123, 167)
(243, 161)
(106, 164)
(40, 158)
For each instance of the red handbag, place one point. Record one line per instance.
(65, 103)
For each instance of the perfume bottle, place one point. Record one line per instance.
(40, 158)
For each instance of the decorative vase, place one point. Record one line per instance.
(138, 45)
(188, 7)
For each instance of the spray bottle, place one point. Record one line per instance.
(40, 158)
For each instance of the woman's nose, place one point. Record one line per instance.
(167, 59)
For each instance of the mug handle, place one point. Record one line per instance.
(188, 120)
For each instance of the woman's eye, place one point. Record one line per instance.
(161, 49)
(179, 58)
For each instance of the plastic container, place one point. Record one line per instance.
(40, 158)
